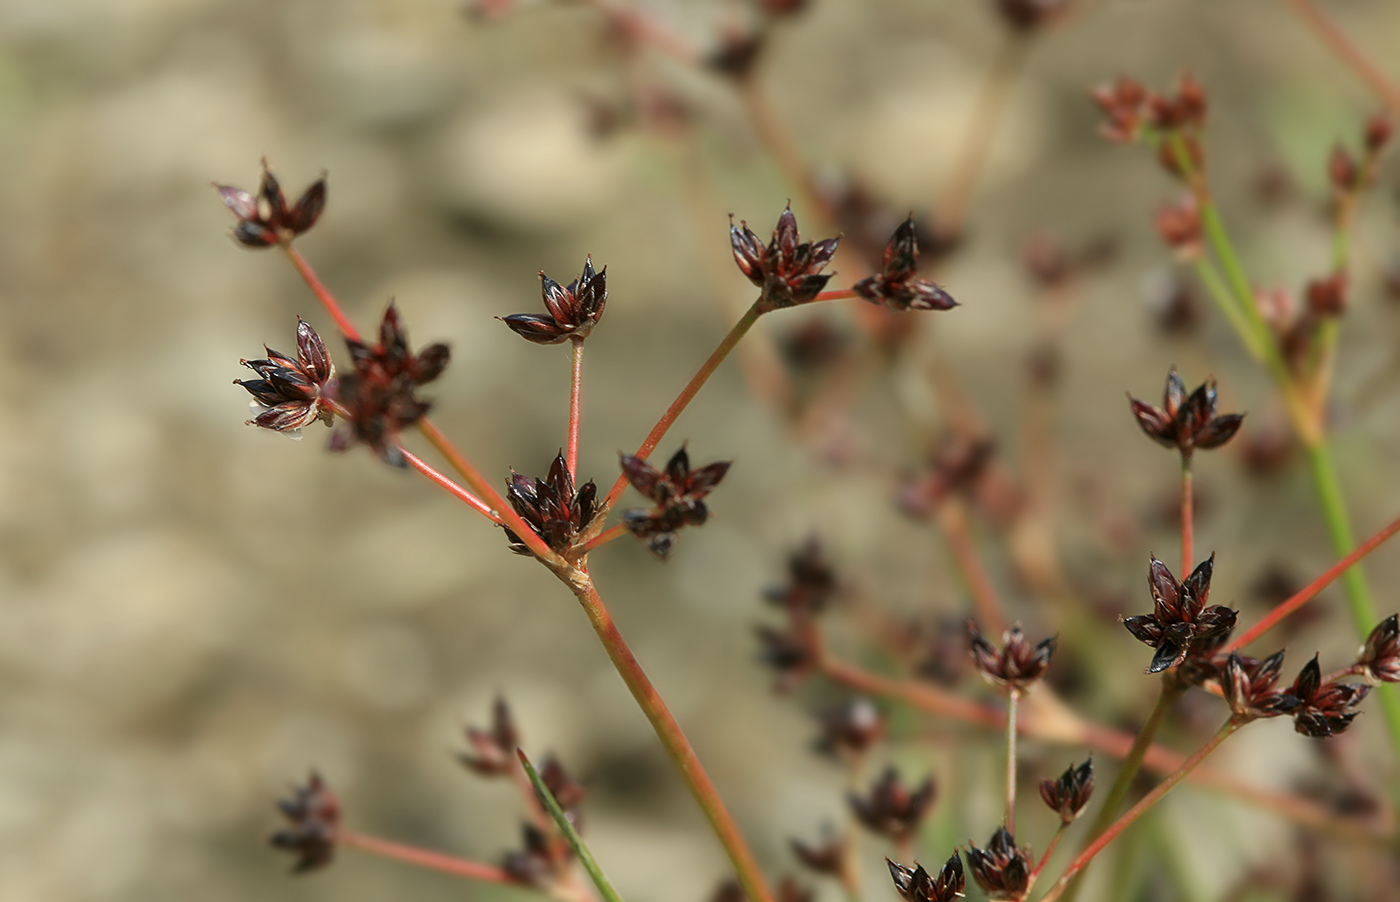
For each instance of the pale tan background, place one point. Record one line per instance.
(192, 612)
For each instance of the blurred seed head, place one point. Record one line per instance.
(313, 816)
(1069, 794)
(890, 808)
(265, 218)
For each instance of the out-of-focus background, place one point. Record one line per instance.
(193, 612)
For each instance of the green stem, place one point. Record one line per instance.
(1358, 593)
(671, 736)
(1012, 697)
(1131, 765)
(1152, 798)
(566, 827)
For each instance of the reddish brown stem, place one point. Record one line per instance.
(683, 399)
(575, 397)
(434, 861)
(1188, 516)
(1049, 850)
(1350, 54)
(924, 696)
(322, 293)
(1132, 814)
(952, 517)
(672, 738)
(446, 483)
(1310, 591)
(613, 532)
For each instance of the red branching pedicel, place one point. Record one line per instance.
(1017, 664)
(265, 219)
(314, 816)
(1379, 659)
(1068, 795)
(1003, 869)
(1249, 686)
(378, 397)
(897, 286)
(290, 391)
(574, 309)
(917, 885)
(890, 808)
(551, 507)
(788, 271)
(1186, 422)
(678, 493)
(1181, 625)
(1324, 709)
(493, 751)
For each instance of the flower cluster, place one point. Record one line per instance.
(551, 506)
(265, 218)
(1379, 660)
(891, 809)
(1068, 795)
(1250, 687)
(1186, 422)
(1014, 666)
(1324, 709)
(573, 309)
(313, 814)
(493, 750)
(678, 494)
(1003, 869)
(918, 885)
(897, 286)
(1181, 625)
(378, 398)
(788, 271)
(289, 393)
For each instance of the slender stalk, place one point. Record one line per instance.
(834, 295)
(672, 738)
(423, 858)
(1012, 697)
(682, 400)
(950, 209)
(616, 531)
(1314, 588)
(322, 293)
(1152, 798)
(924, 696)
(952, 517)
(1132, 763)
(1188, 513)
(446, 483)
(566, 827)
(1349, 53)
(1220, 293)
(1049, 850)
(575, 397)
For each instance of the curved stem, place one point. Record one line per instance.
(1152, 798)
(1312, 589)
(451, 487)
(682, 400)
(672, 738)
(1348, 52)
(575, 397)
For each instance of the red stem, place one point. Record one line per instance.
(445, 482)
(1310, 591)
(1049, 850)
(1350, 54)
(602, 538)
(672, 738)
(682, 400)
(1133, 813)
(835, 295)
(435, 861)
(575, 397)
(322, 293)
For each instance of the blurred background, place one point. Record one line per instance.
(194, 612)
